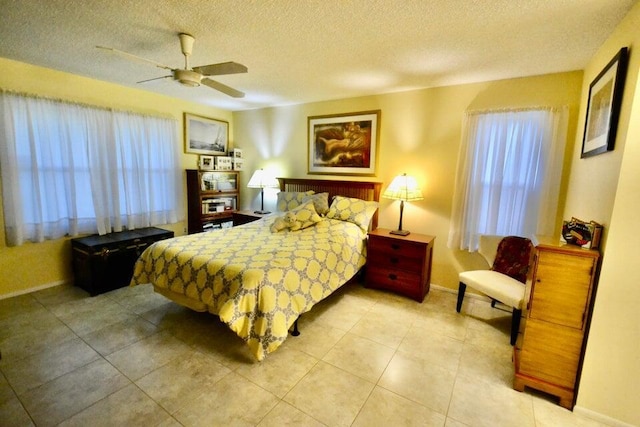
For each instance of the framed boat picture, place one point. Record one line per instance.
(206, 136)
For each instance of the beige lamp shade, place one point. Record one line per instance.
(404, 188)
(262, 179)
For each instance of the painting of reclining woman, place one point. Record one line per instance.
(344, 144)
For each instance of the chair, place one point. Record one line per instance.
(505, 281)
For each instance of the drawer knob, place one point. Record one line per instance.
(393, 276)
(395, 247)
(393, 260)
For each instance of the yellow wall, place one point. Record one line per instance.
(607, 188)
(31, 266)
(419, 134)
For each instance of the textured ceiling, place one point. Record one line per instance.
(309, 50)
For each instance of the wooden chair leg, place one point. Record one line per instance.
(461, 288)
(515, 325)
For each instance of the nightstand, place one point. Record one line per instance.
(401, 264)
(243, 217)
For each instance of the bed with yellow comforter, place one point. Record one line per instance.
(257, 282)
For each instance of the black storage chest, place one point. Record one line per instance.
(103, 263)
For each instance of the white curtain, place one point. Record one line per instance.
(69, 169)
(508, 175)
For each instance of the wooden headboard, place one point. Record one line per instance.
(365, 190)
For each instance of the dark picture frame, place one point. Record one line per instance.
(203, 135)
(603, 108)
(344, 144)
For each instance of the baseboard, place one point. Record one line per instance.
(596, 416)
(34, 289)
(455, 292)
(442, 288)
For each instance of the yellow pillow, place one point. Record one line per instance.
(288, 200)
(306, 215)
(357, 211)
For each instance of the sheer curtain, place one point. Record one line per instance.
(71, 169)
(508, 174)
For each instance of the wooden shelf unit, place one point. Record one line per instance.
(212, 198)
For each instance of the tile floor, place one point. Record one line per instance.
(365, 358)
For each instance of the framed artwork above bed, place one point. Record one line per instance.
(344, 144)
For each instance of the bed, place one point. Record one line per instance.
(258, 281)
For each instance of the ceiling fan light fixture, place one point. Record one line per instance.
(196, 76)
(188, 77)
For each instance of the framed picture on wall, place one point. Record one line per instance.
(203, 135)
(603, 109)
(344, 144)
(206, 163)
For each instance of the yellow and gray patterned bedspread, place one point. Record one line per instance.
(256, 281)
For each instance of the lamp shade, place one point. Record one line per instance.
(262, 179)
(403, 188)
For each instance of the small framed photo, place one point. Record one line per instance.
(603, 109)
(206, 163)
(344, 144)
(223, 163)
(203, 135)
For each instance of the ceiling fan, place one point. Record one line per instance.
(195, 76)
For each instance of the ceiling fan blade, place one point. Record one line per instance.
(132, 56)
(155, 78)
(223, 88)
(220, 69)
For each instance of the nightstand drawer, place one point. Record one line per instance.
(392, 279)
(399, 262)
(396, 248)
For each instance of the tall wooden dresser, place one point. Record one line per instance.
(548, 352)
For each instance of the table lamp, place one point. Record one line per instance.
(261, 179)
(403, 188)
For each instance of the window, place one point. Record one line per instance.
(69, 169)
(508, 176)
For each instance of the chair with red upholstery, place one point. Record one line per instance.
(505, 281)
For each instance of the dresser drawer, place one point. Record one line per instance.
(396, 247)
(551, 352)
(399, 262)
(395, 280)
